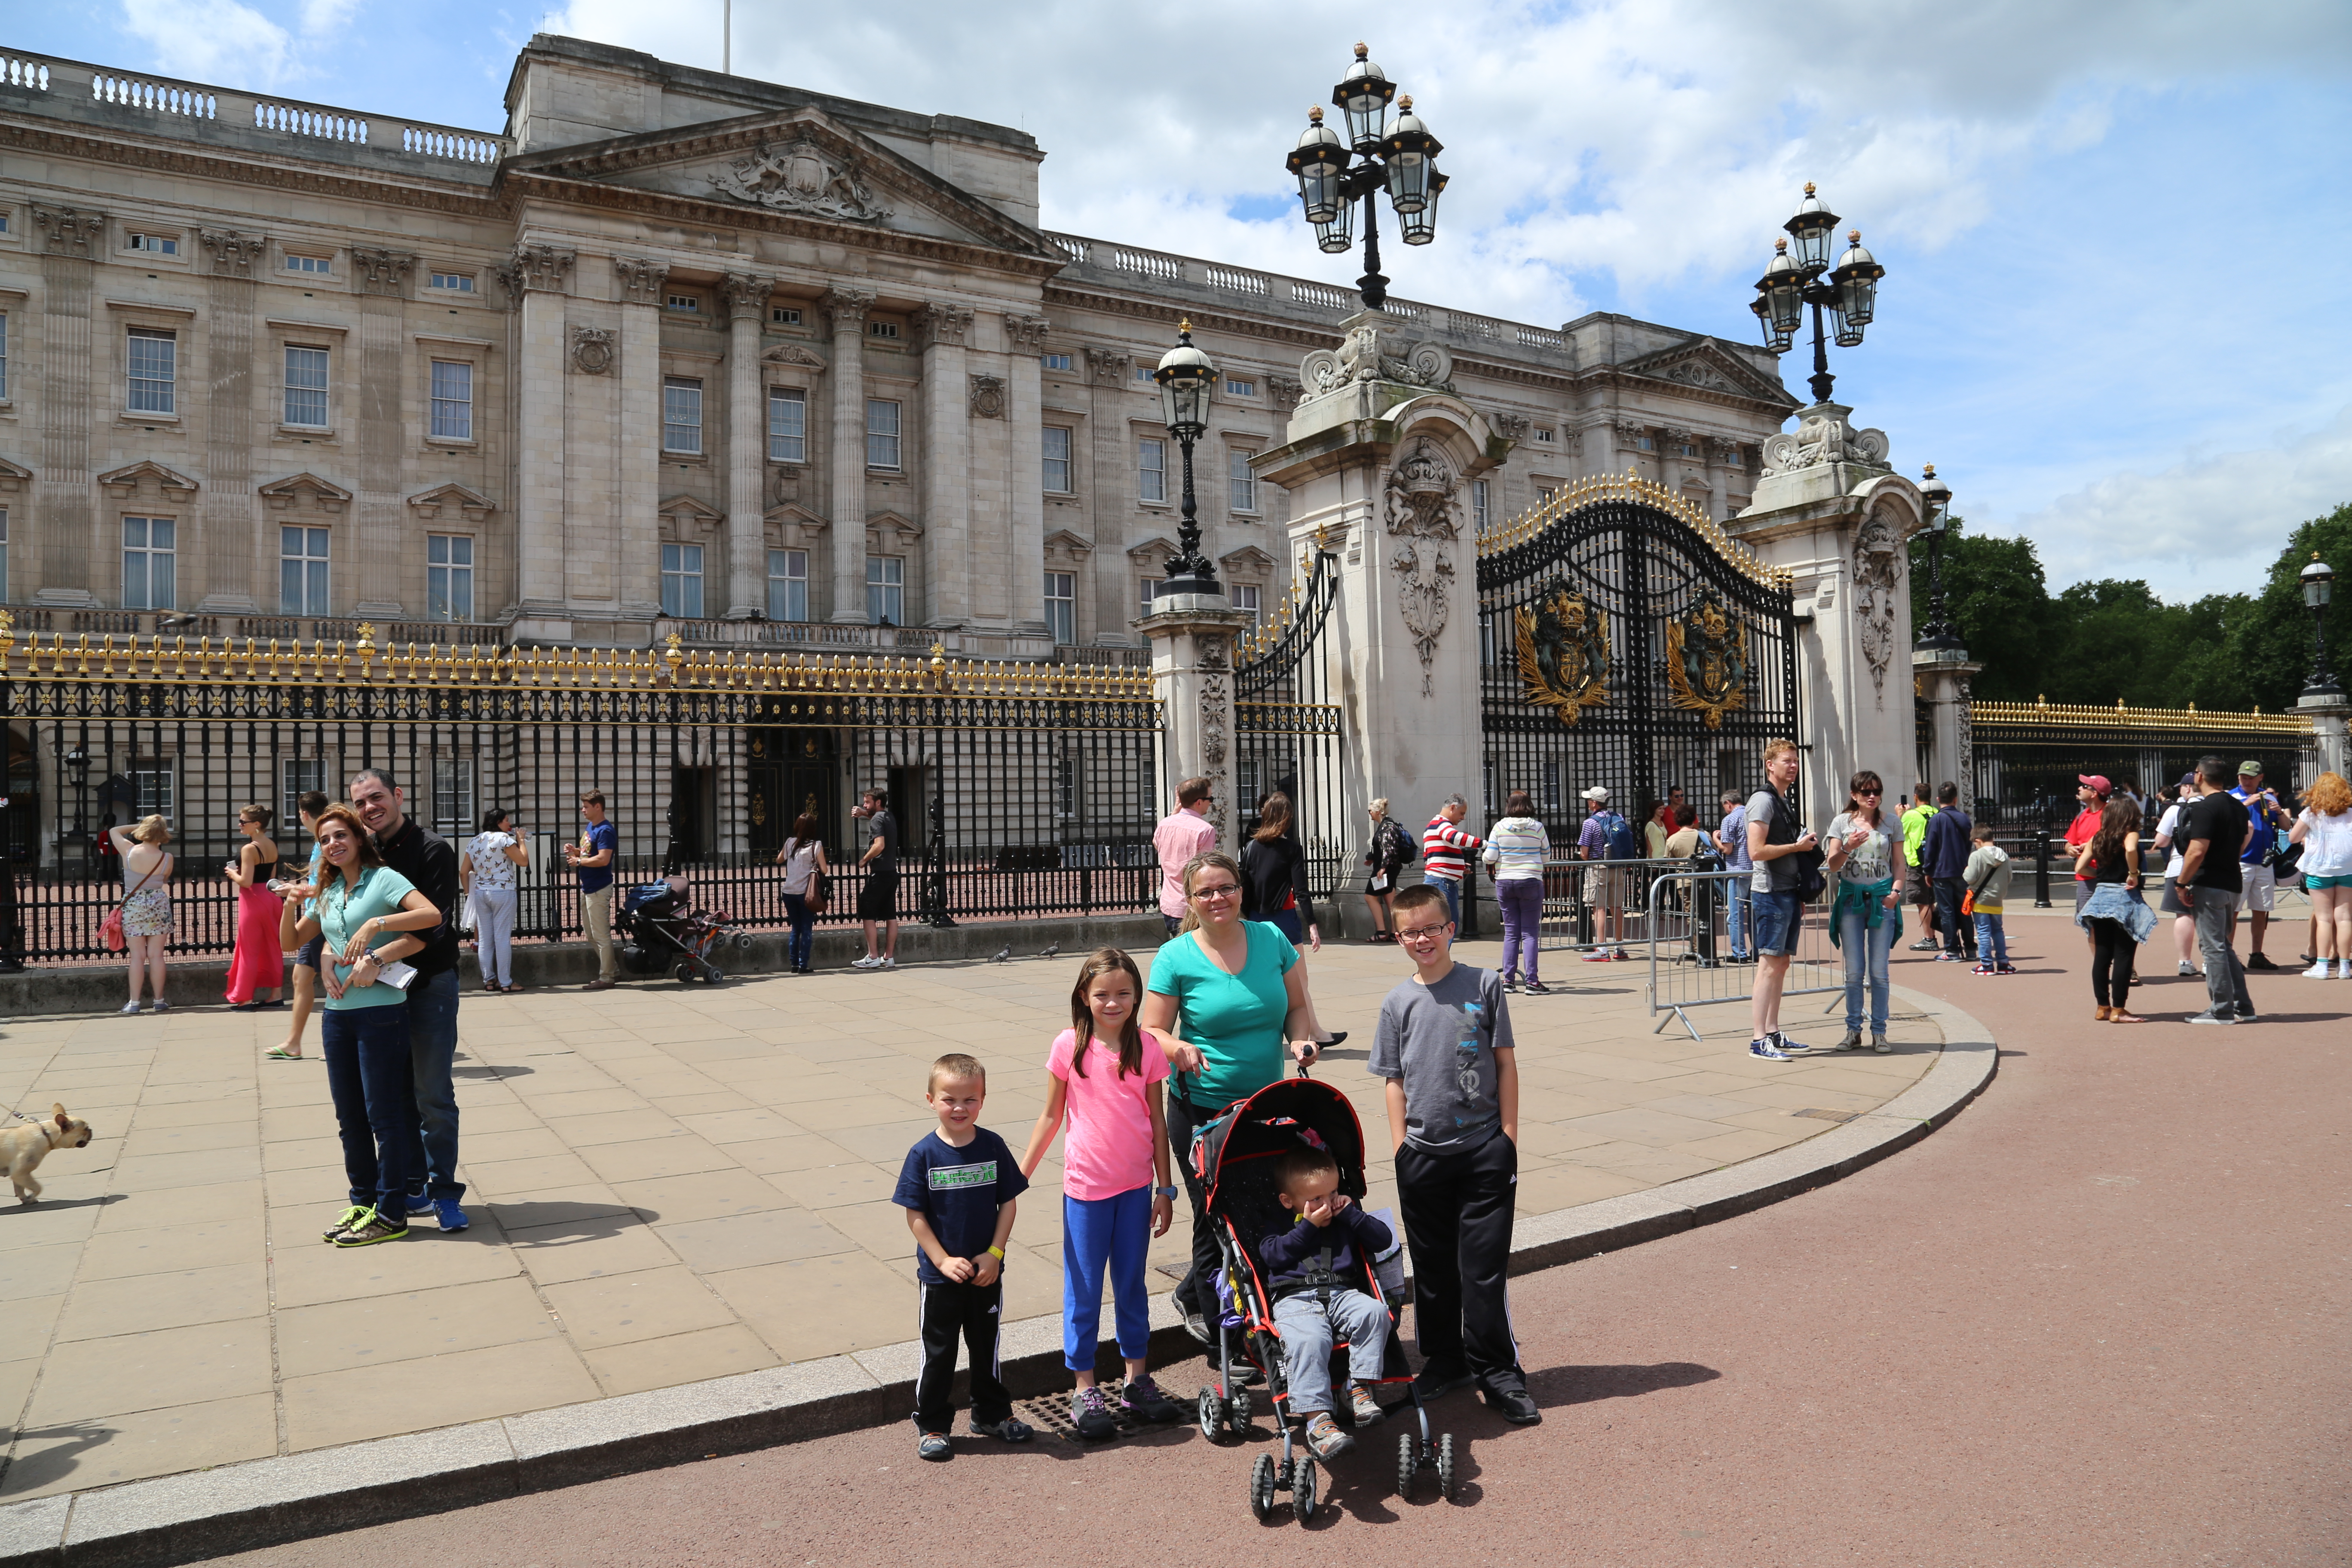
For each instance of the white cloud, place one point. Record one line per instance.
(323, 19)
(209, 40)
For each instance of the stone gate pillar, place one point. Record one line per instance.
(1831, 511)
(1942, 676)
(1377, 460)
(1192, 664)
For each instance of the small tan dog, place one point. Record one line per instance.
(25, 1143)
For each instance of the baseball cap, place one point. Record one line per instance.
(1599, 792)
(2189, 779)
(2252, 768)
(2096, 781)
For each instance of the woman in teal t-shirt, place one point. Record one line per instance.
(364, 910)
(1222, 998)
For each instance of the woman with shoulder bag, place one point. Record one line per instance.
(805, 872)
(142, 923)
(1275, 889)
(1390, 852)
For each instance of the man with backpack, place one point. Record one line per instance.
(1776, 895)
(1944, 854)
(1605, 836)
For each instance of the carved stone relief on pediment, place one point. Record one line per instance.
(802, 177)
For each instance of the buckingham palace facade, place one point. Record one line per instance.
(678, 353)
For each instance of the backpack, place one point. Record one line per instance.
(1619, 832)
(1396, 848)
(1808, 862)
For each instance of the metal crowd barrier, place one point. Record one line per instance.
(1691, 962)
(1593, 904)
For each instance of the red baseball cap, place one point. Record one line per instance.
(2096, 781)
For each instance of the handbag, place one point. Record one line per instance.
(820, 892)
(110, 929)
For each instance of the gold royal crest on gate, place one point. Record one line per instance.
(1563, 651)
(1707, 662)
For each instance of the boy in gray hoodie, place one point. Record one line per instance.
(1987, 870)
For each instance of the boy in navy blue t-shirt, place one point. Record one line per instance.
(958, 1188)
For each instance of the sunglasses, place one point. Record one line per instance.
(1868, 794)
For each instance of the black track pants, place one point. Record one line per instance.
(1457, 1211)
(972, 1313)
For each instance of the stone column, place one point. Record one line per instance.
(845, 310)
(2327, 715)
(1943, 679)
(1721, 457)
(1191, 637)
(230, 519)
(541, 273)
(1110, 456)
(747, 445)
(952, 399)
(68, 571)
(375, 559)
(1025, 412)
(1377, 460)
(637, 574)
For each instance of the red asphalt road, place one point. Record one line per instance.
(2097, 1320)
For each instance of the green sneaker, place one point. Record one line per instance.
(373, 1227)
(345, 1221)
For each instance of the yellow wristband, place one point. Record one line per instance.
(997, 1253)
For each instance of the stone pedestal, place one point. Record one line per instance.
(1378, 461)
(1942, 676)
(1192, 662)
(2329, 716)
(1830, 512)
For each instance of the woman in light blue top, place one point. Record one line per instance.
(1517, 848)
(365, 911)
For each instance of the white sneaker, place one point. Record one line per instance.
(886, 963)
(2319, 971)
(867, 963)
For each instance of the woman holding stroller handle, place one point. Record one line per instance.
(486, 877)
(1224, 997)
(802, 858)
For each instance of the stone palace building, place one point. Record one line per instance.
(678, 352)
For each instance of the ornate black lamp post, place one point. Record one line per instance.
(1399, 157)
(2318, 581)
(78, 771)
(1187, 379)
(1938, 635)
(1792, 282)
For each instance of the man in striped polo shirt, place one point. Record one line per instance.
(1444, 852)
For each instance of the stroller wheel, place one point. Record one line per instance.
(1302, 1490)
(1408, 1466)
(682, 971)
(712, 975)
(1211, 1416)
(1262, 1487)
(1446, 1467)
(744, 941)
(1237, 1411)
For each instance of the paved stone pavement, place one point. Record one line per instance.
(2099, 1320)
(668, 1184)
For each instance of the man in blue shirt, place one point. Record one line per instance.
(2255, 861)
(592, 856)
(1731, 838)
(1944, 853)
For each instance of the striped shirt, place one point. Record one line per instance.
(1517, 847)
(1442, 849)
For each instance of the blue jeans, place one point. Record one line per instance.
(432, 1052)
(1957, 936)
(1865, 950)
(1116, 1231)
(1735, 918)
(1779, 920)
(1521, 901)
(1452, 888)
(1310, 1329)
(803, 939)
(375, 1105)
(1992, 942)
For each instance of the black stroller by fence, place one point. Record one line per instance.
(661, 930)
(1236, 1156)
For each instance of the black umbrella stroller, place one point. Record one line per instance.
(1236, 1156)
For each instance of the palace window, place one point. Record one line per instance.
(788, 585)
(154, 244)
(1543, 435)
(1686, 449)
(1645, 443)
(881, 433)
(317, 265)
(1144, 371)
(1062, 607)
(885, 590)
(1054, 361)
(1245, 598)
(1241, 482)
(1150, 590)
(154, 363)
(306, 387)
(452, 282)
(1151, 470)
(681, 415)
(686, 304)
(453, 798)
(296, 776)
(1240, 388)
(302, 571)
(888, 330)
(149, 556)
(1478, 505)
(453, 400)
(681, 581)
(153, 787)
(1058, 459)
(783, 316)
(787, 424)
(449, 577)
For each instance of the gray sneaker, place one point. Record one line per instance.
(2210, 1018)
(161, 1005)
(2188, 972)
(128, 1009)
(1878, 1043)
(1853, 1041)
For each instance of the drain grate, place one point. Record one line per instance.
(1050, 1416)
(1828, 1115)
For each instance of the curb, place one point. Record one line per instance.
(201, 1514)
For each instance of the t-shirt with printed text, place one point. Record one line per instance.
(959, 1191)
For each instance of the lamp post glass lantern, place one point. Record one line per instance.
(1849, 291)
(1938, 635)
(1398, 157)
(1187, 379)
(2318, 584)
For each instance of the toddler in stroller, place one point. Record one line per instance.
(1309, 1266)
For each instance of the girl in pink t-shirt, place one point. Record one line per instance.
(1116, 1195)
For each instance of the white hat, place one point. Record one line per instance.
(1598, 793)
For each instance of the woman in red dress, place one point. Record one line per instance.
(258, 971)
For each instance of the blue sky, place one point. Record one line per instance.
(2114, 316)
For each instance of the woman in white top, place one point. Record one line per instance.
(803, 858)
(146, 902)
(2325, 831)
(487, 874)
(1517, 848)
(1864, 849)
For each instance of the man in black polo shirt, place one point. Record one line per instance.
(425, 858)
(2211, 832)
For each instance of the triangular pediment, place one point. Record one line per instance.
(685, 506)
(15, 472)
(307, 487)
(1249, 559)
(1152, 551)
(127, 478)
(793, 513)
(1076, 546)
(797, 167)
(1706, 364)
(454, 498)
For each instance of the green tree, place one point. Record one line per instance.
(2271, 643)
(2000, 603)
